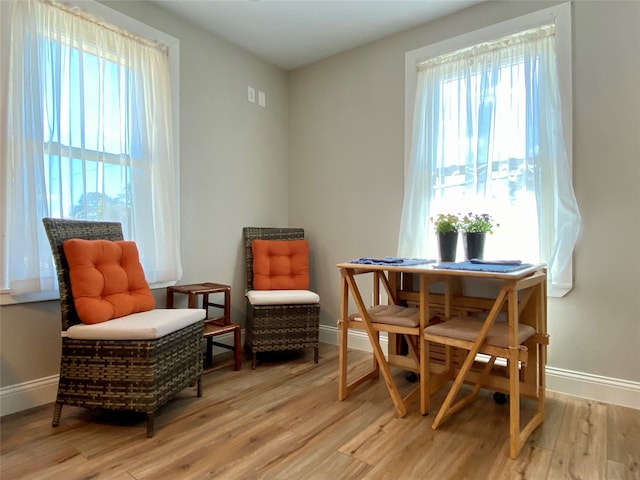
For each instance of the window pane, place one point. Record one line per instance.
(87, 190)
(483, 154)
(90, 133)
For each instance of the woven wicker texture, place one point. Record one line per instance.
(278, 327)
(134, 375)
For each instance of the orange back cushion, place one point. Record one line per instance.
(107, 280)
(280, 264)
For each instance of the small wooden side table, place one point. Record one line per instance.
(213, 325)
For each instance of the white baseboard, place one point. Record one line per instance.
(578, 384)
(23, 396)
(358, 339)
(594, 387)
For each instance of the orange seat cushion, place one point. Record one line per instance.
(107, 280)
(280, 264)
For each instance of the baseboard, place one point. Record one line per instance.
(23, 396)
(358, 339)
(578, 384)
(594, 387)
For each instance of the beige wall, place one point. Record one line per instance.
(233, 174)
(327, 154)
(346, 117)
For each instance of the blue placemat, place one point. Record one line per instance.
(482, 267)
(390, 261)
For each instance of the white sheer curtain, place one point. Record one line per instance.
(488, 138)
(89, 138)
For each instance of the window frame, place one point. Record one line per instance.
(122, 21)
(560, 14)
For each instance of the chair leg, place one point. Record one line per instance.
(199, 386)
(449, 406)
(237, 350)
(316, 354)
(57, 411)
(150, 422)
(253, 360)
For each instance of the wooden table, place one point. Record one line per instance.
(413, 285)
(213, 325)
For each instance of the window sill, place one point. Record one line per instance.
(7, 299)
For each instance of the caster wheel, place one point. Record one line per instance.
(411, 377)
(499, 398)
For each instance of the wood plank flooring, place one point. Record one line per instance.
(283, 421)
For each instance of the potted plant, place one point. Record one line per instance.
(474, 228)
(446, 227)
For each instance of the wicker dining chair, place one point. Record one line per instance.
(282, 326)
(138, 375)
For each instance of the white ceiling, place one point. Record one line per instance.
(293, 33)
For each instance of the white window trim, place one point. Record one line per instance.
(122, 21)
(560, 13)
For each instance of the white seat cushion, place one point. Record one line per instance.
(138, 326)
(282, 297)
(392, 315)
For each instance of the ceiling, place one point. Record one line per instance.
(293, 33)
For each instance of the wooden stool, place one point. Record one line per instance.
(213, 326)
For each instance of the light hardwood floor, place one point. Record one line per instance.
(283, 421)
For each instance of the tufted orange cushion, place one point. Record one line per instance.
(280, 264)
(107, 280)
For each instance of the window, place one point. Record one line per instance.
(90, 137)
(487, 136)
(88, 167)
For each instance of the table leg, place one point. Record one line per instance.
(401, 408)
(170, 299)
(209, 353)
(343, 334)
(227, 306)
(205, 304)
(191, 300)
(423, 349)
(345, 388)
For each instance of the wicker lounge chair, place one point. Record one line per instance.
(133, 375)
(278, 327)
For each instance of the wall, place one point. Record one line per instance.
(346, 116)
(233, 174)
